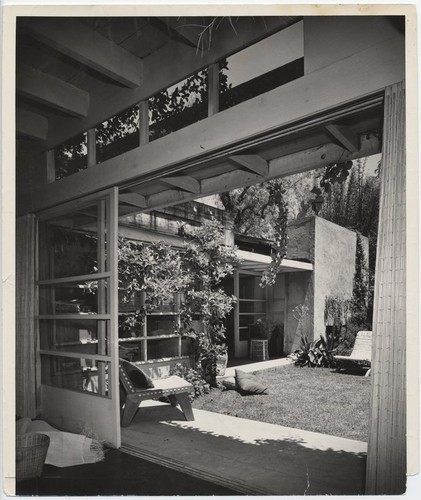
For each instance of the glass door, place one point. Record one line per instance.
(78, 316)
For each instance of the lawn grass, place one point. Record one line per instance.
(312, 399)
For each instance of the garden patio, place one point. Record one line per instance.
(258, 458)
(119, 117)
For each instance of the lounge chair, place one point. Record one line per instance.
(175, 388)
(360, 355)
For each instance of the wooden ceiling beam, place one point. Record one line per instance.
(31, 125)
(302, 161)
(253, 163)
(345, 136)
(51, 91)
(83, 44)
(183, 182)
(134, 199)
(161, 69)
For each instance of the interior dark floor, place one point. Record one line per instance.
(119, 474)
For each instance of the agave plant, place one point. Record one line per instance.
(314, 354)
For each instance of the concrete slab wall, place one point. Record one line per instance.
(334, 266)
(299, 286)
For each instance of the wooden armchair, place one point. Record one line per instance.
(175, 388)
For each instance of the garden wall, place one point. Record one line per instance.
(334, 266)
(331, 249)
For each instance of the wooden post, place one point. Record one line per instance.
(51, 166)
(386, 460)
(91, 147)
(143, 122)
(213, 89)
(236, 278)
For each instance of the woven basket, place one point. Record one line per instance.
(31, 450)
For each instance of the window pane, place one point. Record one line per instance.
(252, 307)
(160, 325)
(118, 134)
(69, 244)
(179, 105)
(249, 319)
(165, 348)
(71, 157)
(75, 373)
(86, 336)
(74, 298)
(249, 288)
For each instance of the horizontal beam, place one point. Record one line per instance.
(180, 62)
(51, 91)
(183, 182)
(345, 136)
(31, 124)
(252, 163)
(302, 161)
(135, 199)
(88, 47)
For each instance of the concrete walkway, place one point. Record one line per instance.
(249, 457)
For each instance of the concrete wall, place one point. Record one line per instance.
(299, 290)
(331, 249)
(299, 285)
(334, 266)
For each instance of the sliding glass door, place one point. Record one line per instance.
(77, 321)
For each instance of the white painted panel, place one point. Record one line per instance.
(329, 39)
(74, 411)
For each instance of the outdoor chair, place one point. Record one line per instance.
(175, 388)
(360, 355)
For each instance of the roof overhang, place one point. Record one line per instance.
(251, 261)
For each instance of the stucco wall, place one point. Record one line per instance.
(334, 266)
(299, 290)
(331, 249)
(301, 239)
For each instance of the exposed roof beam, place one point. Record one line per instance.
(253, 163)
(183, 182)
(31, 124)
(51, 91)
(179, 63)
(85, 45)
(135, 199)
(302, 161)
(166, 25)
(345, 136)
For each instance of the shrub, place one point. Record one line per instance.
(200, 386)
(314, 354)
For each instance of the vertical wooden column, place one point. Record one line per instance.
(91, 147)
(386, 462)
(51, 166)
(102, 295)
(236, 278)
(213, 89)
(143, 122)
(25, 317)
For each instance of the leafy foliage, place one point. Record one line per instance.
(192, 376)
(314, 354)
(159, 271)
(262, 211)
(360, 288)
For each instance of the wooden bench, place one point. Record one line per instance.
(175, 388)
(361, 352)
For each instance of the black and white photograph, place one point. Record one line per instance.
(210, 286)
